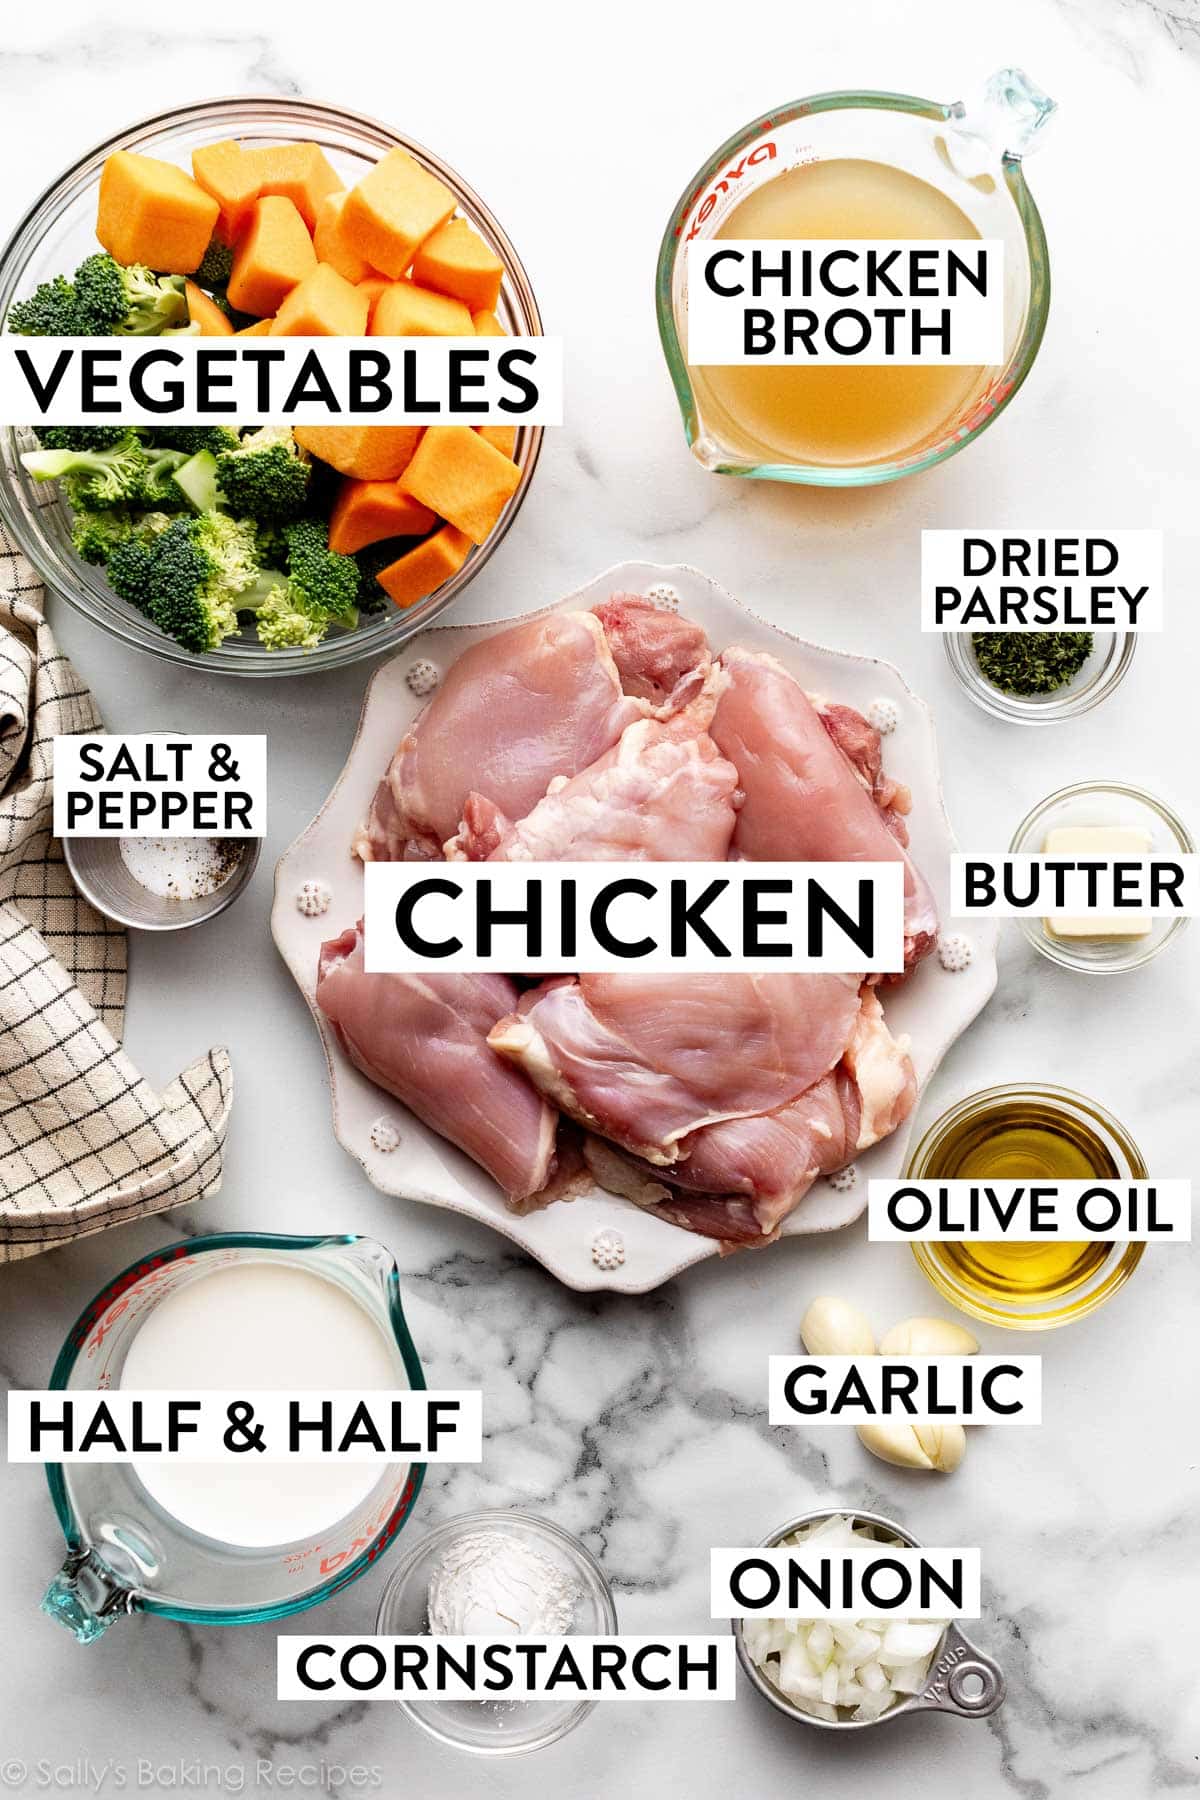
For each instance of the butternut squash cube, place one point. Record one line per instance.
(365, 512)
(372, 286)
(324, 304)
(487, 325)
(300, 173)
(455, 260)
(225, 171)
(501, 437)
(423, 569)
(273, 255)
(329, 244)
(151, 212)
(205, 314)
(393, 209)
(461, 477)
(405, 310)
(260, 328)
(368, 452)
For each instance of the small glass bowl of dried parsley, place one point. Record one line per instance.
(1039, 677)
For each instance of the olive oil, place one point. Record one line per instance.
(838, 415)
(1027, 1140)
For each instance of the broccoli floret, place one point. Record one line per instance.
(112, 477)
(128, 302)
(281, 624)
(216, 266)
(197, 569)
(128, 562)
(127, 474)
(50, 311)
(192, 438)
(130, 571)
(320, 580)
(307, 537)
(96, 535)
(266, 477)
(79, 437)
(295, 611)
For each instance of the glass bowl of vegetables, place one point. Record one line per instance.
(1039, 677)
(56, 237)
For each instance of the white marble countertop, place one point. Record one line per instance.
(640, 1424)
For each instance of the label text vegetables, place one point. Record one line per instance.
(288, 381)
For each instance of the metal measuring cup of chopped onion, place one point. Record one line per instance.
(958, 1678)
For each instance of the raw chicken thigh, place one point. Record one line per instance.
(805, 801)
(512, 713)
(737, 1180)
(423, 1038)
(661, 657)
(530, 706)
(663, 794)
(774, 1158)
(644, 1060)
(713, 1100)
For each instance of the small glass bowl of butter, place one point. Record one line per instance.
(1102, 819)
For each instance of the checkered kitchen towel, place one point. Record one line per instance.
(84, 1142)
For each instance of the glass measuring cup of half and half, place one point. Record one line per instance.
(861, 166)
(129, 1553)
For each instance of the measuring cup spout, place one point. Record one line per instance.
(1005, 120)
(86, 1597)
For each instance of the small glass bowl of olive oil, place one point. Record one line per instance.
(1019, 1133)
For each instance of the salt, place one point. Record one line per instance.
(177, 868)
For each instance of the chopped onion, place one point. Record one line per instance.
(839, 1669)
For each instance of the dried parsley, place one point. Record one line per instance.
(1030, 662)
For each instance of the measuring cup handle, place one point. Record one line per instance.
(85, 1597)
(962, 1680)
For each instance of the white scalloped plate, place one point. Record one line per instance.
(934, 1006)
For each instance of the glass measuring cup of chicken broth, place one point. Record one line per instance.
(861, 166)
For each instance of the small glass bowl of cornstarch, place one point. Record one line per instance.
(497, 1574)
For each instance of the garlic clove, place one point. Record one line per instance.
(928, 1337)
(833, 1327)
(944, 1445)
(894, 1442)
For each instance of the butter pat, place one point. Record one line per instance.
(1098, 843)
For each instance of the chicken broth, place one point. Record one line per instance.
(846, 414)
